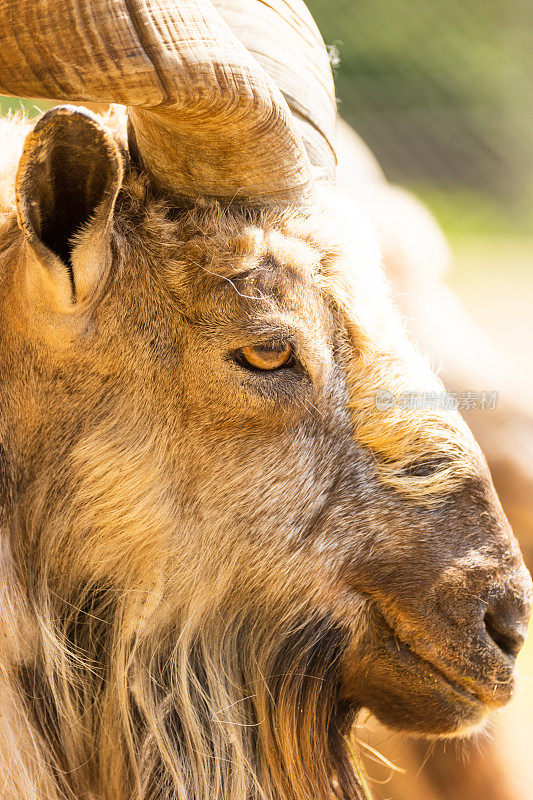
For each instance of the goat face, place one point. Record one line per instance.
(189, 422)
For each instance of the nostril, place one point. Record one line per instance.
(508, 634)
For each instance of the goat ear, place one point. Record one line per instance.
(67, 182)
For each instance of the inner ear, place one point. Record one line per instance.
(66, 190)
(69, 175)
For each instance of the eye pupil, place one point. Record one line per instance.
(266, 356)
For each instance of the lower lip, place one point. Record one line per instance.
(400, 648)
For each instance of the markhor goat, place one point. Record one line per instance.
(218, 541)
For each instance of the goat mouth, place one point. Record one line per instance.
(481, 687)
(410, 692)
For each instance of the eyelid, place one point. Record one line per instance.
(264, 337)
(275, 345)
(267, 329)
(269, 342)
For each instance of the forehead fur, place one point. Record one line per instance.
(333, 249)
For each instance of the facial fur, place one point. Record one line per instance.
(210, 569)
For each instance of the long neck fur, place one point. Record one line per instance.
(224, 705)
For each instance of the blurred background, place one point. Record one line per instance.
(442, 92)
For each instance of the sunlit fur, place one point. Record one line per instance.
(135, 665)
(385, 359)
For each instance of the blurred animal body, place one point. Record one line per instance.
(417, 260)
(221, 534)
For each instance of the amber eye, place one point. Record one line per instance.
(267, 355)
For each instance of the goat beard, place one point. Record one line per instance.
(233, 705)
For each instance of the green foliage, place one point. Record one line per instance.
(31, 108)
(440, 89)
(466, 213)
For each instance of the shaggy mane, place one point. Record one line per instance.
(210, 707)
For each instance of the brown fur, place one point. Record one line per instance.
(207, 571)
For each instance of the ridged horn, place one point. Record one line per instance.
(206, 119)
(283, 37)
